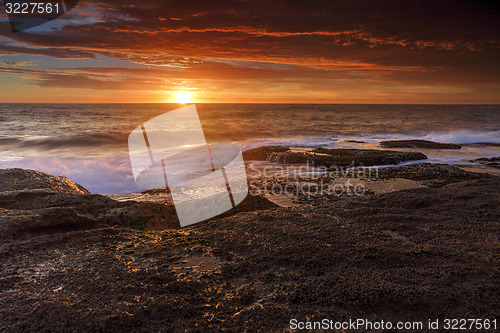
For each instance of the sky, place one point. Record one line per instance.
(277, 51)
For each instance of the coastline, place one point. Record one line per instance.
(420, 242)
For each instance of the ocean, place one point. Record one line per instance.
(88, 142)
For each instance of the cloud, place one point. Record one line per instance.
(381, 43)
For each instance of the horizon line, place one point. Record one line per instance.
(277, 103)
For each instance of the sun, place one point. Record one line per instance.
(183, 97)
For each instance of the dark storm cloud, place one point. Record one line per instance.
(449, 25)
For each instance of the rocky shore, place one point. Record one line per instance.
(33, 202)
(72, 260)
(493, 162)
(423, 144)
(330, 157)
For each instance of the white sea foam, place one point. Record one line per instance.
(461, 137)
(331, 141)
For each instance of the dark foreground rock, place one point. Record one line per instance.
(434, 175)
(22, 180)
(482, 144)
(428, 253)
(330, 157)
(32, 202)
(423, 144)
(493, 162)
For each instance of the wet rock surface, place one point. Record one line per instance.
(491, 162)
(434, 175)
(22, 180)
(32, 201)
(56, 203)
(423, 144)
(331, 157)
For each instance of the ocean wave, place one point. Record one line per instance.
(457, 137)
(464, 137)
(98, 175)
(76, 141)
(300, 141)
